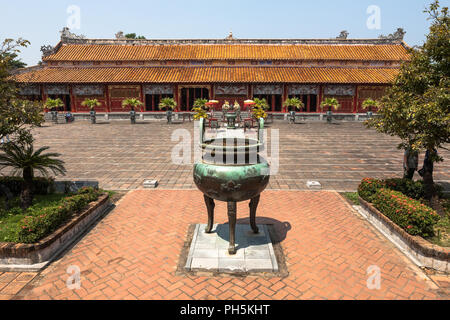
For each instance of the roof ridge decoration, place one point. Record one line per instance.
(343, 35)
(397, 35)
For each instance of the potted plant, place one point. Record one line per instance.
(200, 109)
(330, 103)
(132, 103)
(53, 105)
(168, 104)
(259, 108)
(294, 103)
(368, 104)
(91, 104)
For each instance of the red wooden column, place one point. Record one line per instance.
(72, 100)
(107, 99)
(43, 95)
(176, 96)
(320, 98)
(355, 100)
(284, 97)
(142, 98)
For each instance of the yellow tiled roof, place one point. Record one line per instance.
(373, 52)
(209, 75)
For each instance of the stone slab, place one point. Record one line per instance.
(209, 252)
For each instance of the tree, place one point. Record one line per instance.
(17, 116)
(133, 36)
(417, 106)
(22, 158)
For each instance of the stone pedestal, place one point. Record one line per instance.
(208, 251)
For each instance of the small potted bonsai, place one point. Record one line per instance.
(132, 103)
(330, 103)
(259, 108)
(168, 104)
(292, 104)
(91, 104)
(200, 109)
(368, 104)
(53, 105)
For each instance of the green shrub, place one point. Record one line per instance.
(369, 187)
(14, 184)
(409, 214)
(412, 189)
(40, 222)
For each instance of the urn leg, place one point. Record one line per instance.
(210, 206)
(253, 206)
(232, 226)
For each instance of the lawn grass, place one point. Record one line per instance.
(352, 197)
(10, 219)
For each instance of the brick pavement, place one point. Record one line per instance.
(121, 155)
(133, 254)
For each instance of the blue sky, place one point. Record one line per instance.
(41, 21)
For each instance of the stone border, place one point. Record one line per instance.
(426, 254)
(36, 256)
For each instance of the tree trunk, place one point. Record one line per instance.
(26, 196)
(8, 195)
(430, 191)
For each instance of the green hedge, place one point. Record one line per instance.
(14, 184)
(412, 189)
(368, 187)
(411, 215)
(43, 221)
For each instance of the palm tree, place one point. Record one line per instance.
(296, 103)
(369, 104)
(132, 103)
(53, 105)
(331, 103)
(22, 158)
(91, 104)
(168, 104)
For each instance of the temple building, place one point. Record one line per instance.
(112, 70)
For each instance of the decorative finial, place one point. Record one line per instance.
(230, 36)
(120, 35)
(397, 35)
(343, 35)
(66, 34)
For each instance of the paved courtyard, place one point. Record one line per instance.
(134, 251)
(121, 156)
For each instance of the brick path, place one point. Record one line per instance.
(122, 156)
(133, 253)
